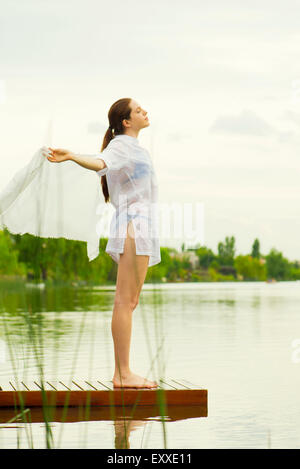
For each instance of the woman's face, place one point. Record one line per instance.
(138, 116)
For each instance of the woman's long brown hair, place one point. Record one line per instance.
(118, 111)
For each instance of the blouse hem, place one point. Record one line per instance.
(154, 261)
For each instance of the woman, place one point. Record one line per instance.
(133, 243)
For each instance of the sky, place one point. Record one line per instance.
(220, 81)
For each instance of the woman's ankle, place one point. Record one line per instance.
(124, 374)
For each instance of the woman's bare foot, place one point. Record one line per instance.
(133, 381)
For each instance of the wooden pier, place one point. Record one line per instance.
(95, 393)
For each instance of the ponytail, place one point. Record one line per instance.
(107, 138)
(119, 110)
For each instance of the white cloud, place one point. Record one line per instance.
(246, 123)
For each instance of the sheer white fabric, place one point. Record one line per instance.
(53, 200)
(63, 200)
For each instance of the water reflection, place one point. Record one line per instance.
(235, 339)
(20, 296)
(125, 421)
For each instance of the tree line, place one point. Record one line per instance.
(58, 259)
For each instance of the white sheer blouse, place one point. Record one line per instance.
(133, 192)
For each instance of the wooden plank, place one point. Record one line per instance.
(31, 385)
(107, 385)
(61, 385)
(52, 386)
(91, 384)
(166, 384)
(24, 385)
(192, 385)
(6, 386)
(178, 384)
(46, 385)
(13, 385)
(79, 384)
(19, 385)
(67, 386)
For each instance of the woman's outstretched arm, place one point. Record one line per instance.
(58, 155)
(87, 161)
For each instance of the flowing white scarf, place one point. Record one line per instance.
(54, 200)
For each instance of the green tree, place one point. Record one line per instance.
(255, 249)
(294, 272)
(278, 267)
(9, 255)
(33, 251)
(164, 268)
(250, 268)
(205, 256)
(226, 251)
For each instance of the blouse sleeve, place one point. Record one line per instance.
(114, 156)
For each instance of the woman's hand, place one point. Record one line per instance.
(57, 155)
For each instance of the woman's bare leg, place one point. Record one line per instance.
(132, 270)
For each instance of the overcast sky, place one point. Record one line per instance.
(220, 81)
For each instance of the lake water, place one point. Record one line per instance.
(241, 341)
